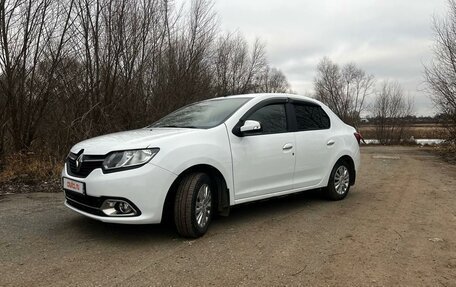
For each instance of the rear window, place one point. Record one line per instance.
(311, 117)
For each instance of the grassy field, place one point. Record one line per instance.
(418, 131)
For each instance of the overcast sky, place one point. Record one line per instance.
(388, 38)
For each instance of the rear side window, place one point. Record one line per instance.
(272, 118)
(311, 117)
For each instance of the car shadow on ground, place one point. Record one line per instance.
(120, 232)
(273, 206)
(247, 213)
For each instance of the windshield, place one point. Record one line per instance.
(201, 115)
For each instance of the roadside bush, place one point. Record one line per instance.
(29, 168)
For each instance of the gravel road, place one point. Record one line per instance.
(396, 227)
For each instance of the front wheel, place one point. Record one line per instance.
(339, 182)
(193, 205)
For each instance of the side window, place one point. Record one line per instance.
(311, 117)
(272, 118)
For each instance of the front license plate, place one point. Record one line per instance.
(73, 185)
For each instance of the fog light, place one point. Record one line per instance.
(124, 207)
(117, 207)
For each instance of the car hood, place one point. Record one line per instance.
(134, 139)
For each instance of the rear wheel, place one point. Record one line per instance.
(193, 205)
(339, 182)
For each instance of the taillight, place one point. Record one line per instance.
(358, 137)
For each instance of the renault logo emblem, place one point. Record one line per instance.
(79, 161)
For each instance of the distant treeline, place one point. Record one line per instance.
(73, 69)
(437, 119)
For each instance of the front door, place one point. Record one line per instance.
(263, 162)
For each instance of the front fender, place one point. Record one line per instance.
(207, 147)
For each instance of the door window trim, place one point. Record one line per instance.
(293, 103)
(290, 122)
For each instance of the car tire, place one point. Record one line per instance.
(339, 182)
(193, 206)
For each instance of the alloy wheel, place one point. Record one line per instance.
(203, 205)
(341, 180)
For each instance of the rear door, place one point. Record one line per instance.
(315, 144)
(263, 162)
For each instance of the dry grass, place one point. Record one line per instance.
(447, 152)
(418, 131)
(29, 168)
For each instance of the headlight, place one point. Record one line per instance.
(128, 159)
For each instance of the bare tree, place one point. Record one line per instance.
(272, 80)
(236, 66)
(32, 37)
(440, 74)
(344, 89)
(73, 69)
(3, 120)
(390, 109)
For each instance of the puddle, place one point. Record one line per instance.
(417, 141)
(429, 141)
(386, 157)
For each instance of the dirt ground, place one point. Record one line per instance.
(397, 227)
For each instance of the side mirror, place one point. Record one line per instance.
(246, 127)
(250, 126)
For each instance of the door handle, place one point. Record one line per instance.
(287, 146)
(330, 143)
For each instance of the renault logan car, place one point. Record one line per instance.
(208, 156)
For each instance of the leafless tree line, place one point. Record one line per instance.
(391, 110)
(440, 74)
(343, 89)
(347, 89)
(72, 69)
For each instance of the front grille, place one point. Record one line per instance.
(86, 166)
(89, 204)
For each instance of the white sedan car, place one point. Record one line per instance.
(208, 156)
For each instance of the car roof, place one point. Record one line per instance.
(264, 96)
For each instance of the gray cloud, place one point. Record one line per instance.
(389, 39)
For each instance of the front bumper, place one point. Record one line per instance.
(145, 187)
